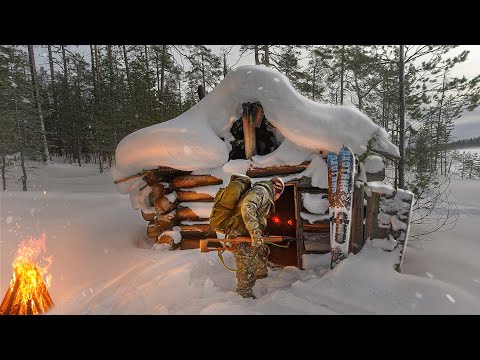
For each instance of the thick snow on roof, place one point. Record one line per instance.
(192, 141)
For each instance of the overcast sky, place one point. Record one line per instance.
(467, 126)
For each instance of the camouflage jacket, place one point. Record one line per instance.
(253, 209)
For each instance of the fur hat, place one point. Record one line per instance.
(278, 184)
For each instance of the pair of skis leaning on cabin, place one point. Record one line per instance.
(341, 170)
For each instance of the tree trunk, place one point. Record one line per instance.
(69, 104)
(110, 68)
(52, 78)
(125, 59)
(158, 77)
(33, 73)
(201, 92)
(96, 99)
(357, 90)
(203, 74)
(266, 60)
(162, 74)
(94, 78)
(224, 65)
(4, 180)
(257, 61)
(20, 135)
(401, 147)
(342, 70)
(77, 141)
(313, 80)
(439, 121)
(147, 105)
(179, 92)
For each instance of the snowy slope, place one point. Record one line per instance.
(192, 141)
(103, 264)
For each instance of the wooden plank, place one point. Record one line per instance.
(403, 213)
(358, 214)
(372, 231)
(192, 196)
(200, 231)
(191, 181)
(255, 172)
(248, 134)
(300, 227)
(316, 242)
(163, 174)
(153, 231)
(316, 227)
(185, 213)
(148, 217)
(187, 244)
(378, 176)
(258, 115)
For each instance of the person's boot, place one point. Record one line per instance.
(245, 270)
(262, 256)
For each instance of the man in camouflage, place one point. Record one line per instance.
(251, 216)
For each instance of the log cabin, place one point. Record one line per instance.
(255, 123)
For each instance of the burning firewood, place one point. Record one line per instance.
(27, 293)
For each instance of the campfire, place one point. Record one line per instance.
(27, 293)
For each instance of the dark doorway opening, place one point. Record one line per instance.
(282, 222)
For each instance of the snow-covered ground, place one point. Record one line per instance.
(103, 263)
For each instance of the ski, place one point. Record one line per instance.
(343, 206)
(332, 165)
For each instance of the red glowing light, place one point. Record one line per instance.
(290, 222)
(276, 219)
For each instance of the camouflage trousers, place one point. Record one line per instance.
(251, 264)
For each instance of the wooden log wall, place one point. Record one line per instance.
(388, 217)
(311, 237)
(174, 213)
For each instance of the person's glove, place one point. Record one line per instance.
(257, 239)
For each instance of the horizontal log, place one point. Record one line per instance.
(152, 230)
(317, 227)
(148, 217)
(165, 221)
(185, 213)
(187, 244)
(277, 170)
(166, 239)
(196, 227)
(162, 204)
(162, 174)
(184, 196)
(191, 181)
(200, 231)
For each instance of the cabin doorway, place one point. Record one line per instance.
(284, 222)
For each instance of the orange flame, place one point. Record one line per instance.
(27, 293)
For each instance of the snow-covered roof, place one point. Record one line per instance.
(192, 141)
